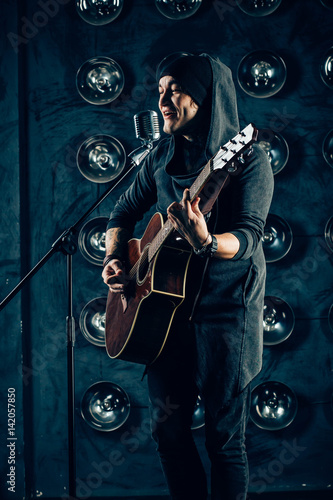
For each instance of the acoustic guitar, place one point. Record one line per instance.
(138, 322)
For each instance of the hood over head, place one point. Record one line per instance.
(224, 123)
(213, 88)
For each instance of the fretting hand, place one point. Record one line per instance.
(188, 220)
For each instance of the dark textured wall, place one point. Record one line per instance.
(44, 121)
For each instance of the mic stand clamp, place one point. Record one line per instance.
(138, 155)
(67, 242)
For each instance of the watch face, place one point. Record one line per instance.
(207, 250)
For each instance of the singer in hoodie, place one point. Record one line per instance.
(214, 347)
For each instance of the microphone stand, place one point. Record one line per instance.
(67, 244)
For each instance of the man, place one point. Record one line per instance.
(215, 344)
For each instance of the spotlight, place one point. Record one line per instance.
(99, 12)
(91, 240)
(261, 73)
(276, 148)
(326, 68)
(277, 239)
(273, 406)
(329, 233)
(327, 148)
(100, 80)
(258, 8)
(105, 406)
(92, 321)
(178, 9)
(279, 320)
(101, 158)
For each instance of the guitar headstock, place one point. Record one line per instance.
(231, 152)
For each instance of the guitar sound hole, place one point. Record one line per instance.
(144, 266)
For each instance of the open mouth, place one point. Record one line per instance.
(168, 114)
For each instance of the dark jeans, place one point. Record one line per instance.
(173, 395)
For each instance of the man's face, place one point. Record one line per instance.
(180, 113)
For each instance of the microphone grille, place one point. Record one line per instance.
(147, 125)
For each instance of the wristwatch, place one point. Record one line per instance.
(207, 250)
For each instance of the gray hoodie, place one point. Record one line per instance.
(228, 318)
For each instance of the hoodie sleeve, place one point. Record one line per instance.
(137, 199)
(251, 202)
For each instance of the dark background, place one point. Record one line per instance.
(43, 122)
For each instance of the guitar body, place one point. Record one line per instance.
(138, 323)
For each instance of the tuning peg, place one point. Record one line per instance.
(232, 167)
(105, 406)
(273, 406)
(248, 152)
(240, 159)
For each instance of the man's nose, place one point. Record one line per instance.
(164, 99)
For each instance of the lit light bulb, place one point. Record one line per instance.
(99, 12)
(178, 9)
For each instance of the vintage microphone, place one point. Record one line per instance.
(147, 130)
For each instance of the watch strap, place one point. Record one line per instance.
(207, 250)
